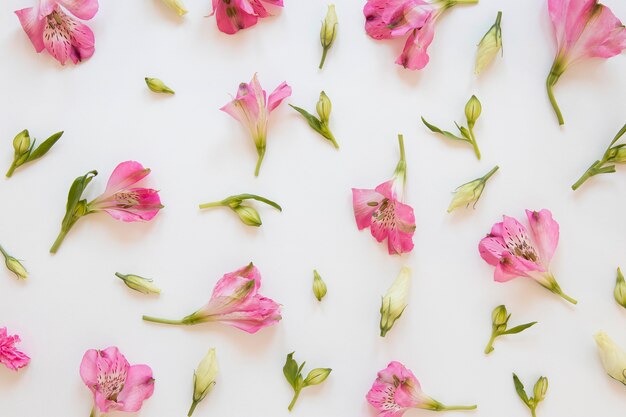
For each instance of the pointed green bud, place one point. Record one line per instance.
(617, 155)
(324, 107)
(620, 289)
(137, 283)
(14, 265)
(470, 192)
(499, 316)
(319, 286)
(248, 215)
(489, 45)
(541, 387)
(204, 378)
(473, 108)
(177, 6)
(329, 27)
(317, 376)
(21, 143)
(158, 86)
(395, 301)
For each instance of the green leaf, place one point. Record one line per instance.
(520, 328)
(290, 370)
(314, 122)
(519, 387)
(447, 134)
(317, 376)
(74, 196)
(44, 147)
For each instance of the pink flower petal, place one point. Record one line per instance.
(9, 355)
(230, 284)
(375, 25)
(82, 9)
(415, 53)
(124, 175)
(511, 267)
(257, 313)
(545, 233)
(232, 17)
(365, 202)
(66, 38)
(138, 387)
(492, 249)
(603, 37)
(33, 25)
(278, 95)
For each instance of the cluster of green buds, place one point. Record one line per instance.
(204, 379)
(177, 6)
(319, 286)
(473, 109)
(24, 149)
(324, 107)
(499, 321)
(293, 374)
(395, 301)
(140, 284)
(470, 192)
(328, 33)
(158, 86)
(613, 155)
(489, 45)
(539, 393)
(14, 265)
(248, 215)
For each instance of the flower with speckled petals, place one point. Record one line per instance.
(50, 27)
(9, 355)
(383, 211)
(235, 15)
(116, 385)
(517, 253)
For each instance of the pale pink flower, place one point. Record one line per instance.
(516, 253)
(386, 19)
(234, 15)
(583, 29)
(252, 108)
(116, 385)
(9, 355)
(49, 27)
(396, 390)
(383, 211)
(236, 302)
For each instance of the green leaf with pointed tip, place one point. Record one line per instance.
(520, 328)
(74, 196)
(447, 134)
(290, 370)
(44, 147)
(519, 387)
(314, 122)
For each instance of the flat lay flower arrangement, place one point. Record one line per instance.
(261, 206)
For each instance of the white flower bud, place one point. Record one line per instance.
(489, 46)
(612, 356)
(395, 301)
(137, 283)
(204, 378)
(177, 6)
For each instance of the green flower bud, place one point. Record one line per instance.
(324, 107)
(470, 192)
(21, 143)
(620, 289)
(541, 387)
(158, 86)
(499, 316)
(319, 286)
(177, 6)
(395, 301)
(473, 108)
(617, 155)
(317, 376)
(137, 283)
(204, 378)
(14, 265)
(329, 27)
(248, 215)
(489, 45)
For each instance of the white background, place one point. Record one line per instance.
(72, 301)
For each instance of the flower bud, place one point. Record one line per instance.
(324, 106)
(137, 283)
(177, 6)
(541, 387)
(21, 143)
(395, 301)
(329, 27)
(499, 316)
(158, 86)
(248, 215)
(470, 192)
(620, 289)
(473, 108)
(317, 376)
(14, 265)
(204, 378)
(617, 155)
(613, 358)
(319, 286)
(489, 45)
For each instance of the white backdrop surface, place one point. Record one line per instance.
(72, 301)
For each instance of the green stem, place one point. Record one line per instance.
(212, 204)
(565, 296)
(533, 412)
(490, 173)
(498, 19)
(163, 321)
(595, 169)
(489, 347)
(323, 57)
(58, 241)
(474, 144)
(259, 161)
(259, 198)
(193, 408)
(11, 169)
(459, 407)
(551, 82)
(294, 399)
(3, 252)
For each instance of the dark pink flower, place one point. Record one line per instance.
(234, 15)
(9, 355)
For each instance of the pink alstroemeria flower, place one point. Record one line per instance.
(116, 385)
(49, 27)
(516, 253)
(119, 200)
(9, 355)
(252, 108)
(382, 210)
(234, 15)
(583, 29)
(236, 302)
(386, 19)
(396, 390)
